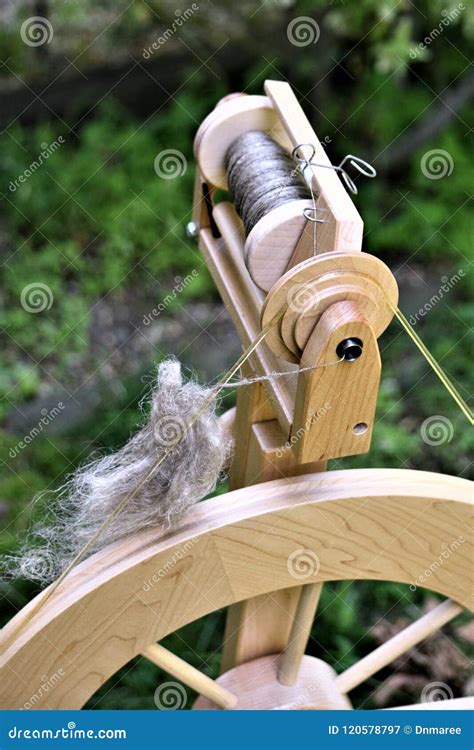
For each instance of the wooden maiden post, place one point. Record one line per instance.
(291, 425)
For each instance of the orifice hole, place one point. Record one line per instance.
(360, 428)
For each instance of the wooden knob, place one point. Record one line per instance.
(305, 292)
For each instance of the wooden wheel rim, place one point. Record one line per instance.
(133, 593)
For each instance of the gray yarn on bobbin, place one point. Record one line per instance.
(261, 176)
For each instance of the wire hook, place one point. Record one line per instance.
(362, 166)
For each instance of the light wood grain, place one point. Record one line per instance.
(257, 687)
(272, 241)
(290, 661)
(279, 233)
(306, 291)
(270, 455)
(227, 122)
(244, 303)
(260, 625)
(253, 405)
(189, 675)
(344, 227)
(335, 405)
(362, 524)
(200, 210)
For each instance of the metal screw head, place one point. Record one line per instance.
(192, 230)
(350, 349)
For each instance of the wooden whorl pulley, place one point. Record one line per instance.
(306, 291)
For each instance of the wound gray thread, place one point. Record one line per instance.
(261, 176)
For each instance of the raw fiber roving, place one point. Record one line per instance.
(195, 458)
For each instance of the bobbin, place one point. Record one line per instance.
(325, 306)
(284, 234)
(279, 228)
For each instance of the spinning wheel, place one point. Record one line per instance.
(265, 549)
(238, 549)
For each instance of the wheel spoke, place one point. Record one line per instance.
(189, 675)
(398, 645)
(300, 630)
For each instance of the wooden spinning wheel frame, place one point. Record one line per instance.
(266, 548)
